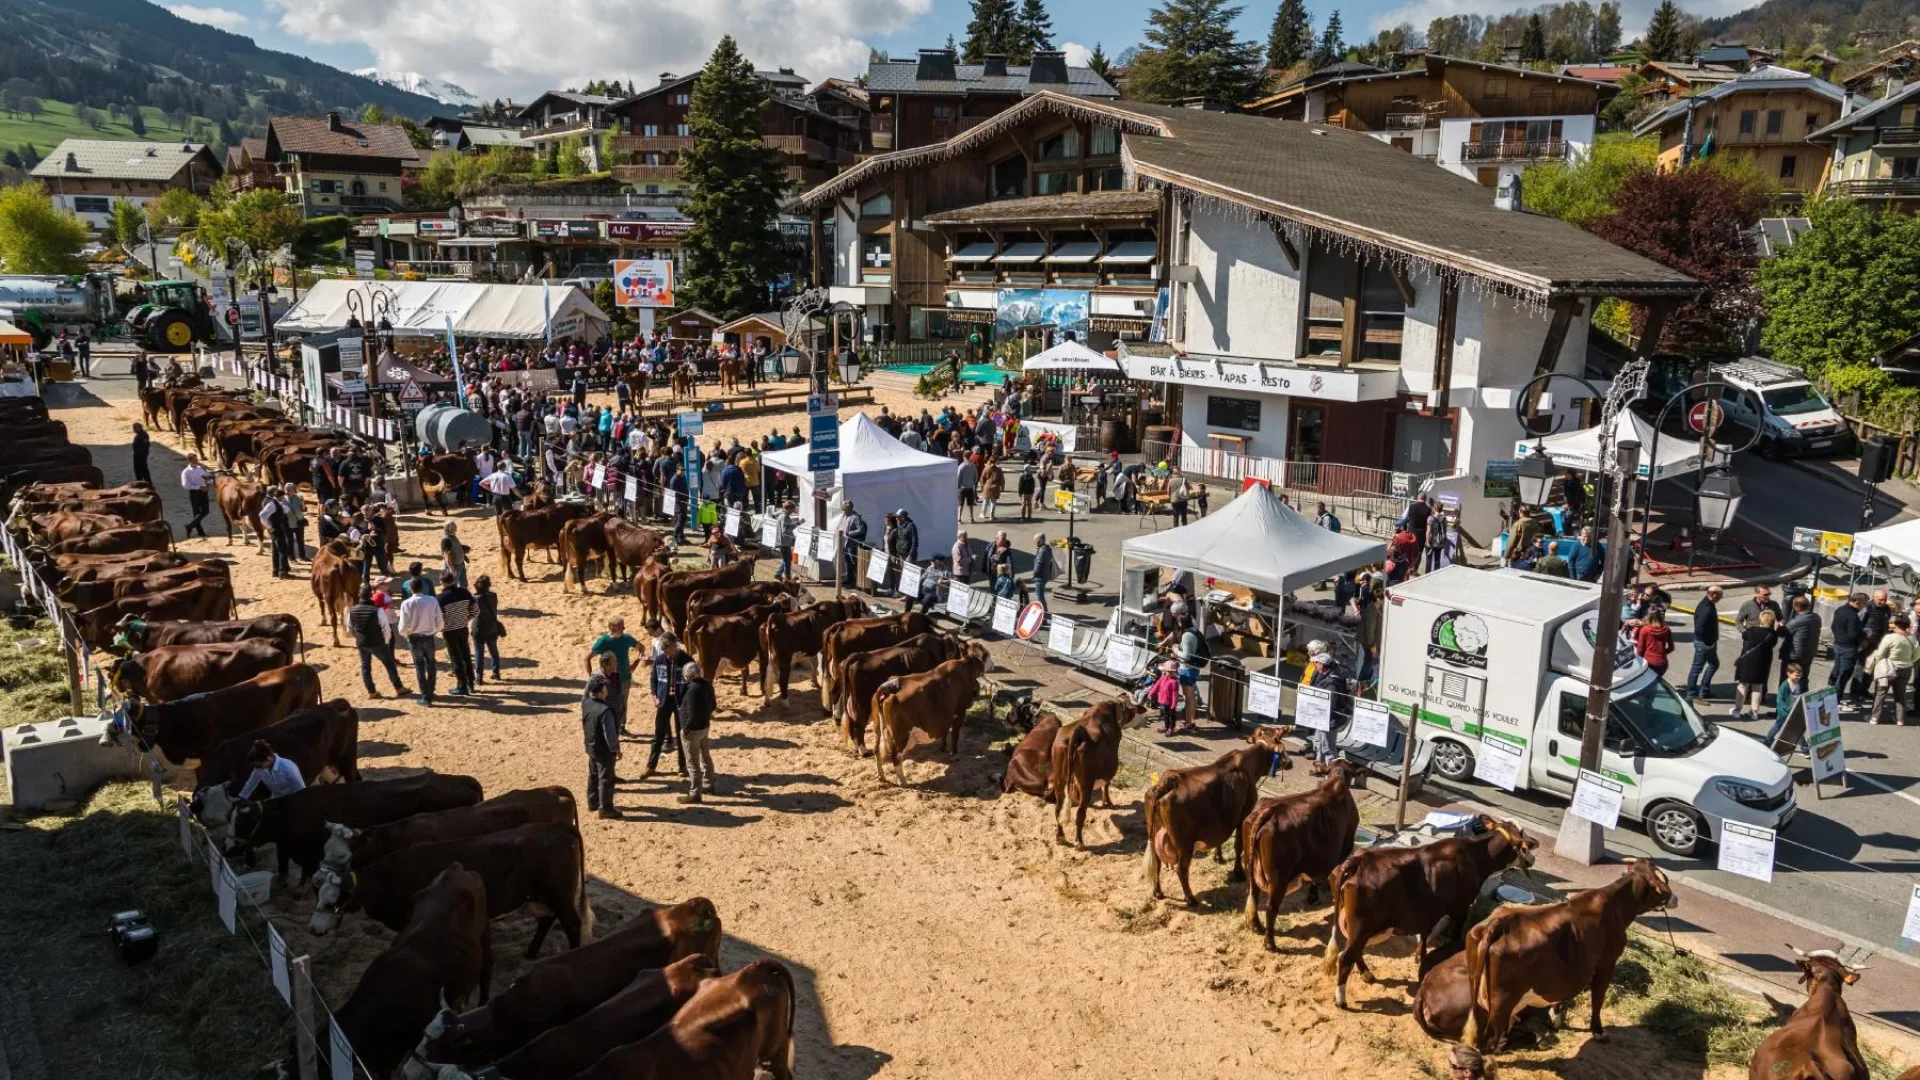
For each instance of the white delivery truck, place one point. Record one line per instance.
(1495, 662)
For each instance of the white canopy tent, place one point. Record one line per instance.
(1072, 356)
(1898, 543)
(1581, 449)
(880, 475)
(421, 308)
(1257, 541)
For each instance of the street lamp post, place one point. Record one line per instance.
(1710, 422)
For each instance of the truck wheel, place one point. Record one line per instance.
(1452, 760)
(1677, 828)
(172, 332)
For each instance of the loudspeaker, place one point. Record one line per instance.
(1876, 459)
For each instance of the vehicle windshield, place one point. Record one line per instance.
(1664, 723)
(1789, 400)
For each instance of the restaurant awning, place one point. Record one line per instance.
(974, 253)
(1077, 251)
(1021, 253)
(1132, 251)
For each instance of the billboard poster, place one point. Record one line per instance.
(1061, 310)
(644, 283)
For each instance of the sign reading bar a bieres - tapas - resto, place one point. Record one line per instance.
(1272, 377)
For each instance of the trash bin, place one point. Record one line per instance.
(1226, 689)
(1082, 560)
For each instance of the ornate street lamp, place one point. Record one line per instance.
(1534, 477)
(1718, 500)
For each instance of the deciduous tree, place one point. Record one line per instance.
(735, 184)
(37, 237)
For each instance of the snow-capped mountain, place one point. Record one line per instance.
(415, 83)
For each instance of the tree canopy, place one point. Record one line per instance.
(733, 251)
(994, 28)
(1192, 51)
(37, 237)
(176, 208)
(1582, 191)
(1663, 33)
(1291, 36)
(263, 219)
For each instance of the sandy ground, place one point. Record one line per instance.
(937, 932)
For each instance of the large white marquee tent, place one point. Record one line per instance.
(880, 474)
(477, 310)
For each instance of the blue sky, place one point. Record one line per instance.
(509, 47)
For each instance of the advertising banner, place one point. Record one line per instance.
(643, 283)
(1063, 310)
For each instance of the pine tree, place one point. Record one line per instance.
(1098, 62)
(1291, 37)
(1533, 40)
(1033, 31)
(1331, 49)
(1192, 51)
(138, 125)
(991, 31)
(1663, 32)
(735, 184)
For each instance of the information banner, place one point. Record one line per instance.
(277, 959)
(877, 568)
(1006, 615)
(910, 575)
(1911, 929)
(340, 1050)
(1313, 708)
(1746, 850)
(670, 503)
(732, 525)
(1120, 652)
(1372, 723)
(1498, 763)
(228, 893)
(1598, 799)
(1263, 695)
(959, 599)
(770, 531)
(1060, 635)
(633, 489)
(824, 545)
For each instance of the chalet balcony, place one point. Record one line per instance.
(1412, 121)
(1529, 150)
(370, 204)
(1897, 136)
(640, 144)
(646, 174)
(1903, 188)
(810, 149)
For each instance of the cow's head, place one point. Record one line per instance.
(1273, 737)
(1024, 713)
(1517, 840)
(127, 677)
(1466, 1063)
(449, 1034)
(335, 896)
(243, 822)
(1825, 964)
(141, 723)
(1651, 885)
(975, 654)
(214, 806)
(1343, 768)
(338, 850)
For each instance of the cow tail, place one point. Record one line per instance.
(1151, 814)
(1476, 978)
(582, 902)
(300, 630)
(766, 650)
(1337, 885)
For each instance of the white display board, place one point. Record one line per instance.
(770, 530)
(1599, 799)
(1313, 708)
(277, 960)
(1120, 651)
(732, 524)
(1498, 763)
(910, 576)
(1823, 733)
(877, 567)
(633, 489)
(1263, 695)
(228, 893)
(1372, 723)
(824, 545)
(1911, 929)
(1060, 635)
(669, 503)
(1006, 615)
(1747, 850)
(340, 1050)
(959, 599)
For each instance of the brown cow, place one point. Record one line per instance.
(563, 987)
(171, 672)
(543, 865)
(39, 492)
(863, 635)
(646, 585)
(718, 640)
(140, 635)
(1383, 892)
(634, 1012)
(580, 540)
(733, 1025)
(934, 703)
(863, 673)
(1085, 757)
(335, 578)
(736, 598)
(348, 847)
(631, 546)
(56, 569)
(786, 634)
(185, 731)
(14, 476)
(135, 507)
(240, 500)
(1298, 839)
(524, 529)
(1188, 810)
(1549, 954)
(450, 472)
(1030, 769)
(69, 524)
(676, 587)
(299, 824)
(1818, 1041)
(323, 741)
(200, 601)
(147, 536)
(85, 595)
(443, 954)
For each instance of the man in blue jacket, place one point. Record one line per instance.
(1706, 647)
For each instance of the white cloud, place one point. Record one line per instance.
(224, 18)
(1076, 53)
(501, 47)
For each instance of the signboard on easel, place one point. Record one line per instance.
(1814, 724)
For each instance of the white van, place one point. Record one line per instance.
(1793, 418)
(1503, 655)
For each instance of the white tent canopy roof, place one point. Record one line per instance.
(477, 310)
(1071, 356)
(1258, 541)
(1898, 543)
(880, 474)
(1581, 449)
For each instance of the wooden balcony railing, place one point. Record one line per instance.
(1897, 136)
(1528, 150)
(1904, 188)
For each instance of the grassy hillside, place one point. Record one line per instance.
(57, 123)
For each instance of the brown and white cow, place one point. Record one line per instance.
(141, 635)
(676, 587)
(864, 635)
(146, 536)
(630, 546)
(335, 579)
(734, 1025)
(185, 731)
(323, 741)
(201, 601)
(1189, 810)
(733, 599)
(563, 987)
(299, 825)
(718, 640)
(171, 672)
(860, 674)
(350, 846)
(1085, 757)
(1382, 892)
(86, 595)
(933, 703)
(580, 540)
(1298, 840)
(523, 530)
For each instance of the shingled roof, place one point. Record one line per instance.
(346, 138)
(111, 159)
(1072, 207)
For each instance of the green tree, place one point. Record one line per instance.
(569, 161)
(37, 237)
(1847, 290)
(416, 134)
(1606, 28)
(735, 185)
(1033, 31)
(264, 219)
(991, 30)
(176, 208)
(373, 114)
(1583, 190)
(126, 222)
(1098, 61)
(1290, 37)
(136, 122)
(1663, 33)
(1192, 51)
(1331, 48)
(1533, 40)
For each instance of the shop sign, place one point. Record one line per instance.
(1273, 377)
(979, 316)
(366, 227)
(647, 231)
(567, 230)
(437, 227)
(494, 228)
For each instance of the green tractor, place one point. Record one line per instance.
(172, 316)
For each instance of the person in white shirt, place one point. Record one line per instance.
(483, 463)
(499, 484)
(279, 775)
(421, 624)
(195, 478)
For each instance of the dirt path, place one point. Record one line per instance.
(937, 932)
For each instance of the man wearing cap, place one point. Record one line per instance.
(602, 734)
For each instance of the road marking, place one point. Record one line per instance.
(1884, 786)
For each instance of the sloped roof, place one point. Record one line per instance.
(314, 135)
(485, 135)
(903, 76)
(1866, 117)
(111, 159)
(1761, 79)
(1597, 72)
(1430, 64)
(1093, 204)
(1258, 541)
